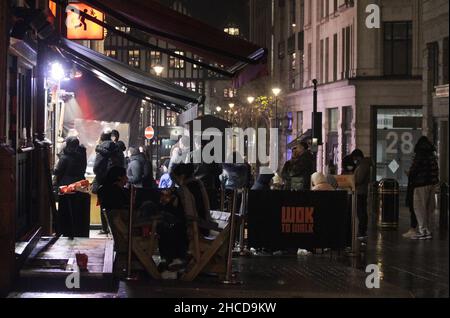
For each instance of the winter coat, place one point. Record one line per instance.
(113, 197)
(135, 170)
(362, 176)
(424, 170)
(108, 155)
(71, 166)
(209, 175)
(348, 166)
(297, 172)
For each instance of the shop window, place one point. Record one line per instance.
(155, 58)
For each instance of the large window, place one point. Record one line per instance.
(433, 63)
(299, 123)
(335, 57)
(176, 63)
(155, 58)
(134, 58)
(347, 119)
(397, 48)
(332, 144)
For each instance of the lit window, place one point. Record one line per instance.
(111, 53)
(155, 58)
(197, 58)
(133, 58)
(124, 29)
(229, 93)
(192, 86)
(232, 31)
(176, 63)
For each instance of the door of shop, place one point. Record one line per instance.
(397, 130)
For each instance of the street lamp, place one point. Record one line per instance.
(276, 91)
(158, 69)
(250, 99)
(231, 105)
(219, 109)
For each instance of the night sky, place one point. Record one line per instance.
(218, 12)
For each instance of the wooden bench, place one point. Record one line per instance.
(207, 254)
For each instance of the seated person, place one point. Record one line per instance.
(320, 183)
(192, 193)
(112, 194)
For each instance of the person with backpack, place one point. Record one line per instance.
(108, 155)
(136, 166)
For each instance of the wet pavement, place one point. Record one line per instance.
(408, 269)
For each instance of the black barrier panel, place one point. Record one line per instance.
(304, 219)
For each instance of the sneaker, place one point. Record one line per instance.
(169, 275)
(302, 252)
(428, 235)
(176, 264)
(420, 235)
(411, 232)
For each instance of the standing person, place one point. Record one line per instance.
(148, 180)
(107, 157)
(72, 163)
(424, 177)
(410, 204)
(297, 172)
(362, 179)
(348, 165)
(112, 194)
(135, 169)
(115, 137)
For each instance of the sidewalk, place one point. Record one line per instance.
(408, 269)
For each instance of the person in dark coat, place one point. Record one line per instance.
(362, 179)
(424, 178)
(108, 155)
(136, 165)
(297, 172)
(71, 166)
(115, 137)
(112, 194)
(348, 165)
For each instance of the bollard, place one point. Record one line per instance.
(388, 204)
(443, 207)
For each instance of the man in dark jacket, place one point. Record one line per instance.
(115, 137)
(135, 170)
(107, 157)
(71, 166)
(297, 172)
(424, 177)
(362, 179)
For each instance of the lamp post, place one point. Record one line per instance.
(276, 91)
(158, 69)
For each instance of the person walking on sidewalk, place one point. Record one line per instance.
(424, 177)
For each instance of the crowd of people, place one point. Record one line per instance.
(194, 189)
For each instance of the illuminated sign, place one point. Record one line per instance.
(79, 27)
(52, 7)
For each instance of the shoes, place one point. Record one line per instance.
(422, 235)
(302, 252)
(103, 232)
(176, 265)
(169, 275)
(412, 232)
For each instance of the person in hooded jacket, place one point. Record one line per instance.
(71, 166)
(424, 178)
(136, 165)
(108, 155)
(115, 137)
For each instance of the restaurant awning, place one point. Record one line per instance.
(243, 59)
(128, 79)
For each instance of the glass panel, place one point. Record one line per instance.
(397, 132)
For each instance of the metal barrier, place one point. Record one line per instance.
(130, 234)
(388, 200)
